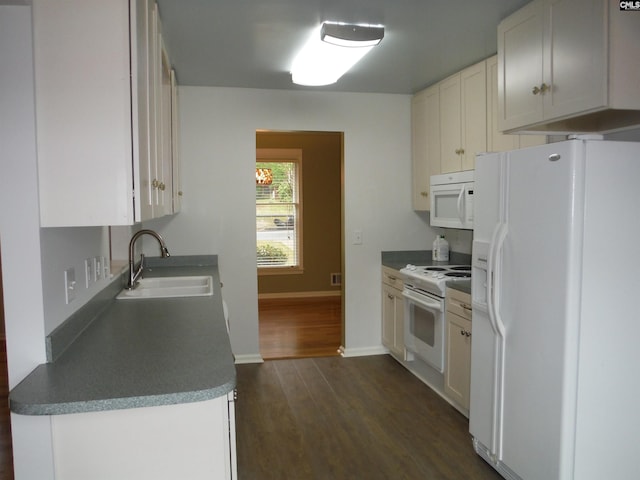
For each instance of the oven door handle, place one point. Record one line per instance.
(422, 300)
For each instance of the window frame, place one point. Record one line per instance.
(285, 155)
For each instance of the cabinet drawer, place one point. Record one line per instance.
(392, 278)
(459, 303)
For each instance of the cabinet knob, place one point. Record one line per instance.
(542, 89)
(162, 186)
(155, 183)
(459, 151)
(389, 296)
(180, 193)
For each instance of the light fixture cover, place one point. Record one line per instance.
(349, 35)
(332, 50)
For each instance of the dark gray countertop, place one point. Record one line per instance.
(400, 259)
(139, 353)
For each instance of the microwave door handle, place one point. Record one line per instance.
(460, 200)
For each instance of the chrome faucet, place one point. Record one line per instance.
(135, 274)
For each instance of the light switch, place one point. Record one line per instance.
(357, 237)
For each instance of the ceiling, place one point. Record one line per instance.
(252, 43)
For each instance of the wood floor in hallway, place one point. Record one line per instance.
(335, 418)
(300, 327)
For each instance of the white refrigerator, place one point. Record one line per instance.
(555, 370)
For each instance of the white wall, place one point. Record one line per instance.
(218, 128)
(20, 235)
(63, 248)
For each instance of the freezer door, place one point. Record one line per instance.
(488, 213)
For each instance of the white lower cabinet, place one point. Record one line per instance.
(457, 383)
(392, 312)
(189, 440)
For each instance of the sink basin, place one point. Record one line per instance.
(166, 287)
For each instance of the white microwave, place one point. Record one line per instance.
(451, 196)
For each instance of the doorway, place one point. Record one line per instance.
(6, 450)
(300, 306)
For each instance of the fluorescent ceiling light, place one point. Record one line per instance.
(332, 50)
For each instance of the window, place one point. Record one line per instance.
(279, 210)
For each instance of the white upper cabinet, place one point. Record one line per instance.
(496, 140)
(463, 118)
(425, 143)
(176, 162)
(96, 111)
(569, 66)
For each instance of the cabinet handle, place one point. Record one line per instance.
(424, 194)
(155, 183)
(465, 306)
(162, 186)
(542, 89)
(462, 332)
(393, 279)
(389, 296)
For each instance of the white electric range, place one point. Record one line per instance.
(424, 294)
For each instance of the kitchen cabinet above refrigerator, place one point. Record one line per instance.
(103, 113)
(569, 66)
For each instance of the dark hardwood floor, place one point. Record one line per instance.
(300, 327)
(6, 451)
(348, 418)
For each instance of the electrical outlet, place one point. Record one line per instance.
(69, 285)
(106, 269)
(89, 272)
(99, 269)
(357, 237)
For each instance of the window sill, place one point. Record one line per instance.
(280, 271)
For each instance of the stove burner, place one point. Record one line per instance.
(458, 274)
(466, 268)
(435, 269)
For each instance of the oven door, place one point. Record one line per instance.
(424, 327)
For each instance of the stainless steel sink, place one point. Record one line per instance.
(166, 287)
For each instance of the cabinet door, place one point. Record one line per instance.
(176, 163)
(496, 140)
(165, 157)
(520, 67)
(398, 340)
(83, 112)
(473, 102)
(575, 63)
(388, 316)
(450, 125)
(144, 126)
(458, 373)
(425, 143)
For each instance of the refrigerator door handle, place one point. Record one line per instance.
(492, 278)
(501, 235)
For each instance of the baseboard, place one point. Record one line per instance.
(362, 352)
(251, 358)
(317, 294)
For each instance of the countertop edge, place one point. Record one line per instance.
(122, 403)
